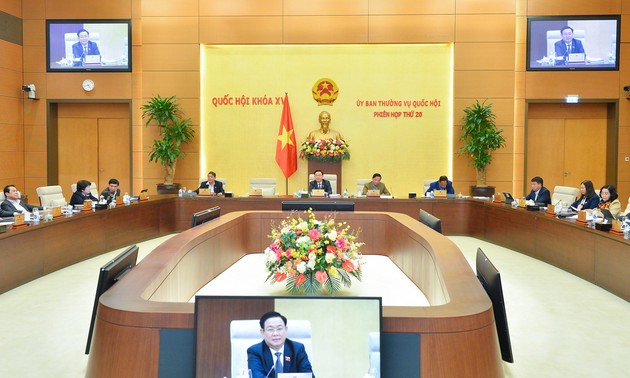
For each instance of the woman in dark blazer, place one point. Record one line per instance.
(589, 199)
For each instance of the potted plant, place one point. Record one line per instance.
(174, 130)
(481, 137)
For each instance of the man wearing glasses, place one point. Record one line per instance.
(276, 354)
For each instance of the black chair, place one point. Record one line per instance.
(430, 221)
(204, 216)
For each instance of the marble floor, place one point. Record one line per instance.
(560, 325)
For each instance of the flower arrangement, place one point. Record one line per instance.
(325, 149)
(312, 255)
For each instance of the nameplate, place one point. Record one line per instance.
(56, 211)
(256, 192)
(581, 216)
(439, 193)
(616, 225)
(143, 196)
(374, 193)
(205, 192)
(18, 220)
(318, 193)
(92, 59)
(497, 198)
(87, 205)
(522, 202)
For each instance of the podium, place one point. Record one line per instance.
(328, 167)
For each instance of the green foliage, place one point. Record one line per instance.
(174, 130)
(480, 135)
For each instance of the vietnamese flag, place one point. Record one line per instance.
(286, 150)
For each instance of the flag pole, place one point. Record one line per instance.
(286, 186)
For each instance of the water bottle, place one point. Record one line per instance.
(431, 194)
(594, 217)
(126, 199)
(181, 192)
(36, 215)
(345, 193)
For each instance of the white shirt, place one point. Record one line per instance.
(273, 355)
(17, 205)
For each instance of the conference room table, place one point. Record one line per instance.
(33, 251)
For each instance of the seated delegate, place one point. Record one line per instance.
(588, 200)
(376, 184)
(216, 187)
(12, 204)
(539, 193)
(83, 193)
(320, 183)
(112, 191)
(609, 200)
(442, 184)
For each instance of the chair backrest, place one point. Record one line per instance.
(51, 196)
(267, 185)
(565, 194)
(427, 183)
(360, 184)
(72, 38)
(627, 211)
(554, 36)
(245, 333)
(327, 176)
(222, 179)
(374, 351)
(93, 189)
(2, 197)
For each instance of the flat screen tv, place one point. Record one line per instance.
(108, 275)
(88, 45)
(206, 215)
(490, 279)
(430, 220)
(318, 205)
(341, 335)
(573, 43)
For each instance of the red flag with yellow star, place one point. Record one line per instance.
(286, 147)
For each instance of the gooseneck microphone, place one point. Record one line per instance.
(270, 370)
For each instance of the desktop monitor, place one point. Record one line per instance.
(318, 205)
(109, 274)
(490, 279)
(573, 43)
(88, 45)
(204, 216)
(430, 220)
(225, 326)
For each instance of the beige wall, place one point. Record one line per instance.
(166, 60)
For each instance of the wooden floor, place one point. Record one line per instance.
(560, 325)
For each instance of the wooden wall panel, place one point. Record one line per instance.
(577, 7)
(11, 83)
(97, 110)
(35, 165)
(107, 85)
(11, 110)
(34, 32)
(34, 138)
(566, 111)
(11, 138)
(485, 28)
(180, 57)
(11, 56)
(13, 8)
(96, 9)
(245, 30)
(411, 28)
(484, 56)
(168, 8)
(484, 84)
(485, 6)
(34, 112)
(11, 165)
(501, 167)
(339, 29)
(400, 7)
(180, 84)
(624, 140)
(557, 85)
(34, 59)
(325, 7)
(240, 8)
(170, 30)
(503, 109)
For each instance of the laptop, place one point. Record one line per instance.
(373, 193)
(607, 214)
(508, 197)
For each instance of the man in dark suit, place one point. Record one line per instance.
(276, 352)
(216, 187)
(539, 193)
(441, 184)
(84, 47)
(13, 204)
(567, 45)
(111, 192)
(319, 182)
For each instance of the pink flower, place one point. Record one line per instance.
(341, 243)
(321, 276)
(314, 234)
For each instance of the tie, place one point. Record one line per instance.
(319, 185)
(569, 48)
(85, 50)
(278, 363)
(535, 196)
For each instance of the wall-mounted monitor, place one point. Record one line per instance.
(573, 43)
(318, 205)
(88, 45)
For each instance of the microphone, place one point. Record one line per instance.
(270, 370)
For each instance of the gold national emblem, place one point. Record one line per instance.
(325, 91)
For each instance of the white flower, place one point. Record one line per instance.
(332, 235)
(285, 230)
(303, 239)
(330, 257)
(301, 267)
(311, 263)
(302, 226)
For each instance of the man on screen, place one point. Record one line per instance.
(276, 354)
(567, 45)
(84, 47)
